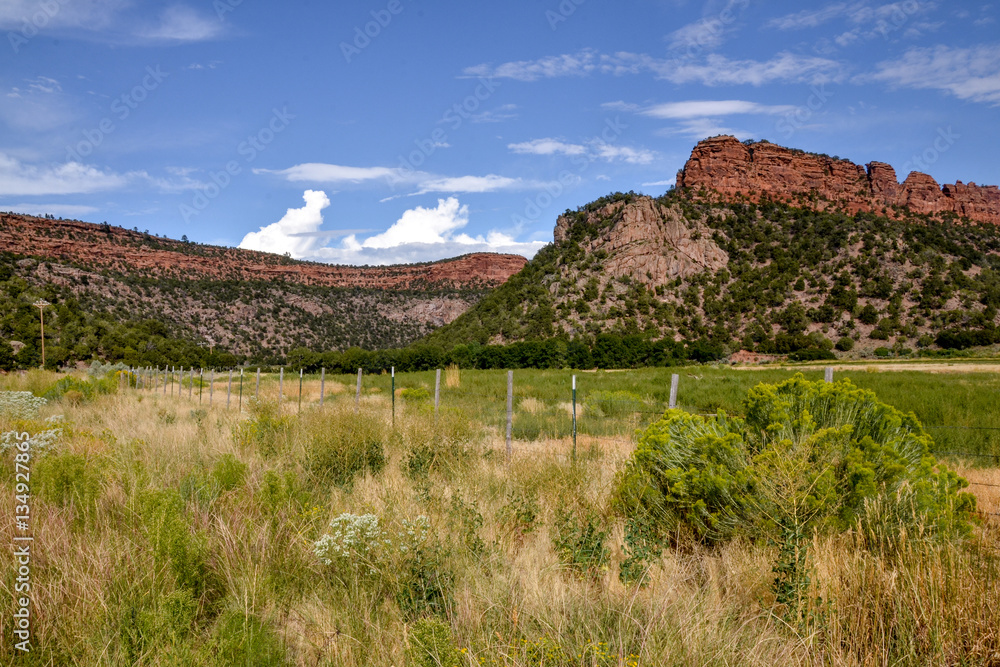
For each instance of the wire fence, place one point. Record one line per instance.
(516, 412)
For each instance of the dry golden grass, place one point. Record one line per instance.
(96, 575)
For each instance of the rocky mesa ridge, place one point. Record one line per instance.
(731, 168)
(124, 251)
(648, 241)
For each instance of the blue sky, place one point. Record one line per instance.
(407, 130)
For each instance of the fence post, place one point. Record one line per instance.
(281, 385)
(437, 390)
(322, 385)
(256, 393)
(674, 379)
(574, 419)
(828, 374)
(300, 390)
(392, 390)
(357, 393)
(201, 384)
(510, 410)
(165, 371)
(191, 386)
(229, 388)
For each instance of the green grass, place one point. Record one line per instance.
(958, 409)
(168, 533)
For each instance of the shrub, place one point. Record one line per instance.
(812, 354)
(66, 478)
(341, 445)
(266, 429)
(415, 393)
(845, 344)
(20, 404)
(808, 454)
(430, 644)
(882, 352)
(579, 541)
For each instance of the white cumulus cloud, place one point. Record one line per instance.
(292, 234)
(421, 234)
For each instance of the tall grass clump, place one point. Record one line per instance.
(340, 444)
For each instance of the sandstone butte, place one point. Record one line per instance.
(97, 247)
(732, 168)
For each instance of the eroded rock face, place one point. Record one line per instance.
(731, 168)
(650, 242)
(124, 251)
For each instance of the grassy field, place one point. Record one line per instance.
(167, 531)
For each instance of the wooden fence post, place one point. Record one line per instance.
(674, 379)
(828, 374)
(437, 390)
(510, 410)
(574, 419)
(201, 384)
(357, 393)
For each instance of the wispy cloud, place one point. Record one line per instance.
(116, 21)
(595, 149)
(422, 182)
(701, 108)
(60, 210)
(713, 70)
(183, 24)
(19, 178)
(547, 147)
(578, 64)
(811, 18)
(967, 73)
(420, 234)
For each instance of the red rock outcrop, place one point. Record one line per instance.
(650, 242)
(121, 250)
(732, 168)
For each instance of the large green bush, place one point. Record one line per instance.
(807, 456)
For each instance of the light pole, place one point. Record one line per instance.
(41, 304)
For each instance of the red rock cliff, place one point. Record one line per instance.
(732, 168)
(124, 251)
